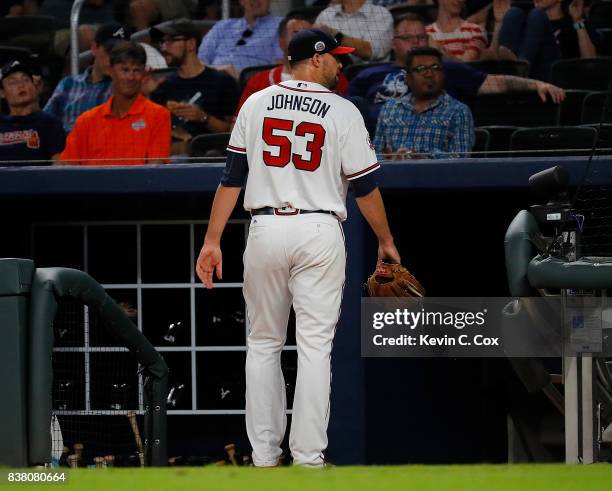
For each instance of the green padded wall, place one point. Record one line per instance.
(15, 280)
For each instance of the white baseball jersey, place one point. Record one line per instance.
(303, 144)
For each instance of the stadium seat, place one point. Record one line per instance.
(33, 32)
(560, 140)
(597, 108)
(513, 109)
(427, 12)
(481, 143)
(600, 15)
(499, 138)
(604, 137)
(209, 145)
(519, 68)
(10, 53)
(571, 107)
(582, 73)
(249, 71)
(605, 42)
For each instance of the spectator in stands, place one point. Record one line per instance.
(292, 23)
(76, 94)
(146, 13)
(201, 99)
(128, 129)
(27, 134)
(234, 44)
(361, 25)
(453, 35)
(427, 123)
(490, 17)
(380, 83)
(546, 34)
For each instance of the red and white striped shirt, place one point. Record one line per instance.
(468, 37)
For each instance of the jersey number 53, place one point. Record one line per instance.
(314, 147)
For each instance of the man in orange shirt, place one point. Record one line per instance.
(128, 129)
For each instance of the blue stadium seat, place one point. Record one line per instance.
(571, 107)
(499, 138)
(209, 145)
(513, 109)
(481, 143)
(582, 73)
(600, 14)
(560, 140)
(597, 108)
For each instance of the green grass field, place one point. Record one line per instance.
(439, 478)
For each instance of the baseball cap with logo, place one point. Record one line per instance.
(308, 42)
(176, 28)
(108, 34)
(12, 67)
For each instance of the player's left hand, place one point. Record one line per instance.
(389, 253)
(209, 260)
(556, 94)
(188, 112)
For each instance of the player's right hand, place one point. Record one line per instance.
(209, 260)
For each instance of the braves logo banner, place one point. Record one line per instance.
(29, 137)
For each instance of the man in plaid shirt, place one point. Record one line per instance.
(426, 123)
(78, 93)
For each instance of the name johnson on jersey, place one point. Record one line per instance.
(299, 103)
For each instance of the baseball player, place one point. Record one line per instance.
(300, 145)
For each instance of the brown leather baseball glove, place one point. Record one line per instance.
(393, 280)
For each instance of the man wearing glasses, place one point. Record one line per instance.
(234, 44)
(388, 81)
(427, 123)
(201, 99)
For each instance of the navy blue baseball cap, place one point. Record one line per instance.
(308, 42)
(12, 67)
(108, 35)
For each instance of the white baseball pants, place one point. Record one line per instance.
(297, 260)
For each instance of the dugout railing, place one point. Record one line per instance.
(49, 286)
